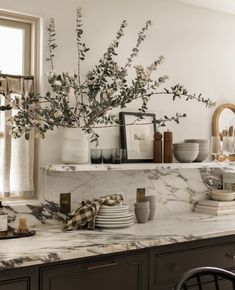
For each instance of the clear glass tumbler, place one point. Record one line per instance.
(215, 147)
(228, 145)
(116, 156)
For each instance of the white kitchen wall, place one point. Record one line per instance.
(198, 43)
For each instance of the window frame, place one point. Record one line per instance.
(33, 66)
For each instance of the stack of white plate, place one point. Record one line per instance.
(114, 217)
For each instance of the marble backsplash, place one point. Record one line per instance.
(176, 191)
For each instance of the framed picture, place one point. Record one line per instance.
(137, 136)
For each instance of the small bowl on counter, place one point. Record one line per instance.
(223, 195)
(185, 152)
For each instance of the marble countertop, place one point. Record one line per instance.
(136, 166)
(50, 244)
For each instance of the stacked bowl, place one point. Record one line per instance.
(152, 205)
(186, 152)
(203, 148)
(142, 211)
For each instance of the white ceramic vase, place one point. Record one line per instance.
(75, 148)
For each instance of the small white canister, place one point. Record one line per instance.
(3, 220)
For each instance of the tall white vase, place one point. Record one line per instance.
(75, 148)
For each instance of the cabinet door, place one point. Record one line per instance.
(18, 284)
(119, 273)
(25, 278)
(166, 268)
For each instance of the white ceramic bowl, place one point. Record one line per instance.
(186, 155)
(200, 141)
(186, 145)
(223, 195)
(203, 148)
(189, 145)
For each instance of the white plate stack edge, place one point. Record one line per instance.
(114, 217)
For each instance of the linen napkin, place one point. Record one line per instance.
(84, 216)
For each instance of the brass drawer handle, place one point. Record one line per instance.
(101, 266)
(231, 256)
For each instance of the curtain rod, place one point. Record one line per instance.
(17, 76)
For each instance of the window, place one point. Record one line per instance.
(18, 59)
(15, 49)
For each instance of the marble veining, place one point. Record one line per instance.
(176, 189)
(50, 244)
(47, 212)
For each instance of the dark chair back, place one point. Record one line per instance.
(206, 278)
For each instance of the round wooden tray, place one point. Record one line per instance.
(15, 235)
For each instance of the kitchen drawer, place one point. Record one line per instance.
(169, 267)
(128, 272)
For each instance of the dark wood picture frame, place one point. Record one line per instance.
(123, 134)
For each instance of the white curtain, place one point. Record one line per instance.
(16, 155)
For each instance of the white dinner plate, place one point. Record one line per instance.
(114, 223)
(114, 218)
(114, 215)
(115, 226)
(113, 211)
(114, 207)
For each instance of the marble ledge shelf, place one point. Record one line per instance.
(136, 166)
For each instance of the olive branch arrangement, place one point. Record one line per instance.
(88, 104)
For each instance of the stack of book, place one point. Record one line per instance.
(213, 207)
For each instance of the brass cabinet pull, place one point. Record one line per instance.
(101, 266)
(231, 256)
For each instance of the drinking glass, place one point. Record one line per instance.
(96, 156)
(215, 147)
(107, 155)
(116, 156)
(124, 155)
(227, 146)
